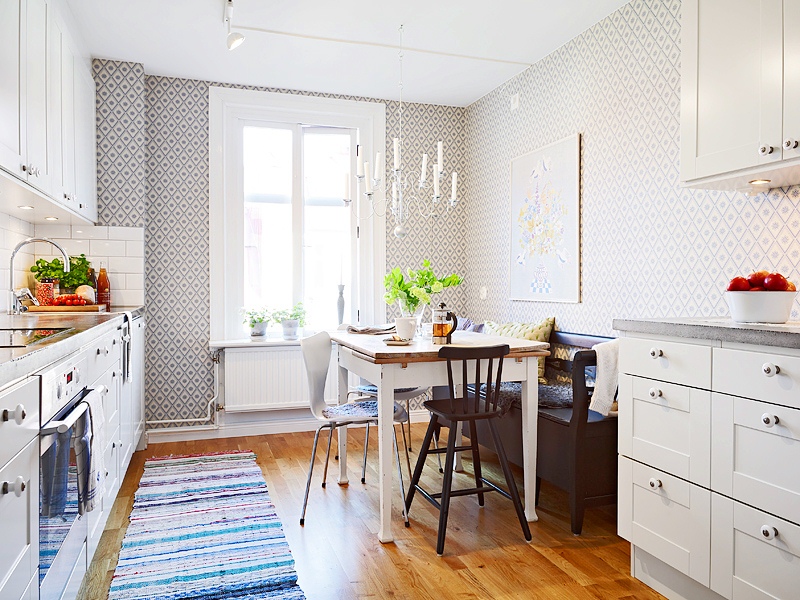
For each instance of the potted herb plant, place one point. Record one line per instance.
(53, 270)
(257, 319)
(290, 320)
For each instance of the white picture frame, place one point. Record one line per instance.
(545, 261)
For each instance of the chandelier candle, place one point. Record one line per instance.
(368, 181)
(378, 167)
(439, 159)
(453, 191)
(396, 154)
(359, 164)
(436, 190)
(424, 170)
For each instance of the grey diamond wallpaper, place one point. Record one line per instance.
(649, 247)
(176, 165)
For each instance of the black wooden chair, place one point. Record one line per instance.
(577, 448)
(470, 408)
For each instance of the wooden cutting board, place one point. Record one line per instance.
(49, 309)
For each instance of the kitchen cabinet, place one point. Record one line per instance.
(132, 391)
(47, 106)
(23, 103)
(709, 485)
(19, 488)
(740, 119)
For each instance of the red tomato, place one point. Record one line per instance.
(69, 302)
(757, 289)
(739, 284)
(757, 279)
(775, 282)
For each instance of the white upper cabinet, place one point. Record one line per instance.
(739, 90)
(47, 106)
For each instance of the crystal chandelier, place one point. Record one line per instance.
(409, 190)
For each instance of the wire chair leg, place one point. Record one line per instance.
(364, 464)
(407, 445)
(310, 471)
(327, 457)
(400, 473)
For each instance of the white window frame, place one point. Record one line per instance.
(226, 211)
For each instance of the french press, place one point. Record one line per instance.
(442, 329)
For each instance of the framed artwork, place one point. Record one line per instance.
(545, 223)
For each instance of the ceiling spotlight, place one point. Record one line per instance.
(25, 207)
(51, 218)
(234, 39)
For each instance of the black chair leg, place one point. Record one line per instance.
(476, 459)
(512, 486)
(447, 485)
(538, 489)
(423, 454)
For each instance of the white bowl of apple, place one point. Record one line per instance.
(761, 297)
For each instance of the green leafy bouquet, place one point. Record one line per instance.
(418, 288)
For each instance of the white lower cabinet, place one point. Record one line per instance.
(666, 516)
(19, 514)
(709, 468)
(756, 556)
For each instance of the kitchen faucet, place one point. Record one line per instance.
(14, 302)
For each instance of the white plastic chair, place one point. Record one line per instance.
(316, 352)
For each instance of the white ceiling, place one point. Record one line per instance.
(456, 50)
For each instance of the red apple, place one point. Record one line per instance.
(738, 284)
(757, 289)
(756, 279)
(775, 282)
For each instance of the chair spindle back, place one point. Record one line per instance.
(476, 354)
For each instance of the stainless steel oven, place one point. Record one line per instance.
(62, 530)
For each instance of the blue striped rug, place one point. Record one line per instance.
(203, 527)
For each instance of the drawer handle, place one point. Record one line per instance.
(17, 486)
(656, 393)
(655, 483)
(656, 352)
(102, 351)
(770, 420)
(19, 414)
(769, 532)
(770, 370)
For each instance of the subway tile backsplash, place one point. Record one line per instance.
(121, 248)
(12, 232)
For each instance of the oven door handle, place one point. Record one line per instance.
(71, 418)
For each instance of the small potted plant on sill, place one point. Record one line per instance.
(290, 320)
(257, 319)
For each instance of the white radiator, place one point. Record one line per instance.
(270, 378)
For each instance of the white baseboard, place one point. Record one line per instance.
(185, 434)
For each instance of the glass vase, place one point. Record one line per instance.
(417, 312)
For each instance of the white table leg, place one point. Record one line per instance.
(385, 452)
(530, 420)
(341, 432)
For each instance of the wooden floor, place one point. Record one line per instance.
(338, 555)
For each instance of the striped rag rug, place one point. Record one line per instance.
(203, 527)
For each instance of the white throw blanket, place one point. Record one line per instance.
(605, 386)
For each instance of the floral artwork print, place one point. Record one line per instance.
(545, 252)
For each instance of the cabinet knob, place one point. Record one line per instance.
(769, 420)
(655, 483)
(102, 351)
(769, 532)
(18, 414)
(655, 393)
(765, 150)
(770, 370)
(17, 487)
(656, 352)
(790, 144)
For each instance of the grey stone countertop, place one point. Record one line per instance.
(81, 329)
(784, 335)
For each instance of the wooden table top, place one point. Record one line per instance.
(377, 351)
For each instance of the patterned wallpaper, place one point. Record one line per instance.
(649, 247)
(178, 366)
(120, 142)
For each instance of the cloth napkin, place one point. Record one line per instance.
(605, 387)
(378, 330)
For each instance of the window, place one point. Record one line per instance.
(280, 233)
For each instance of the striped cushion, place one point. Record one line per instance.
(372, 390)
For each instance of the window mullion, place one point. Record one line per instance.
(298, 193)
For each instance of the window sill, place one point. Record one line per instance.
(268, 342)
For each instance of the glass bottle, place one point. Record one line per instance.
(103, 288)
(93, 281)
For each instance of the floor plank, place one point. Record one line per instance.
(338, 555)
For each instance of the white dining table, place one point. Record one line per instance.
(418, 365)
